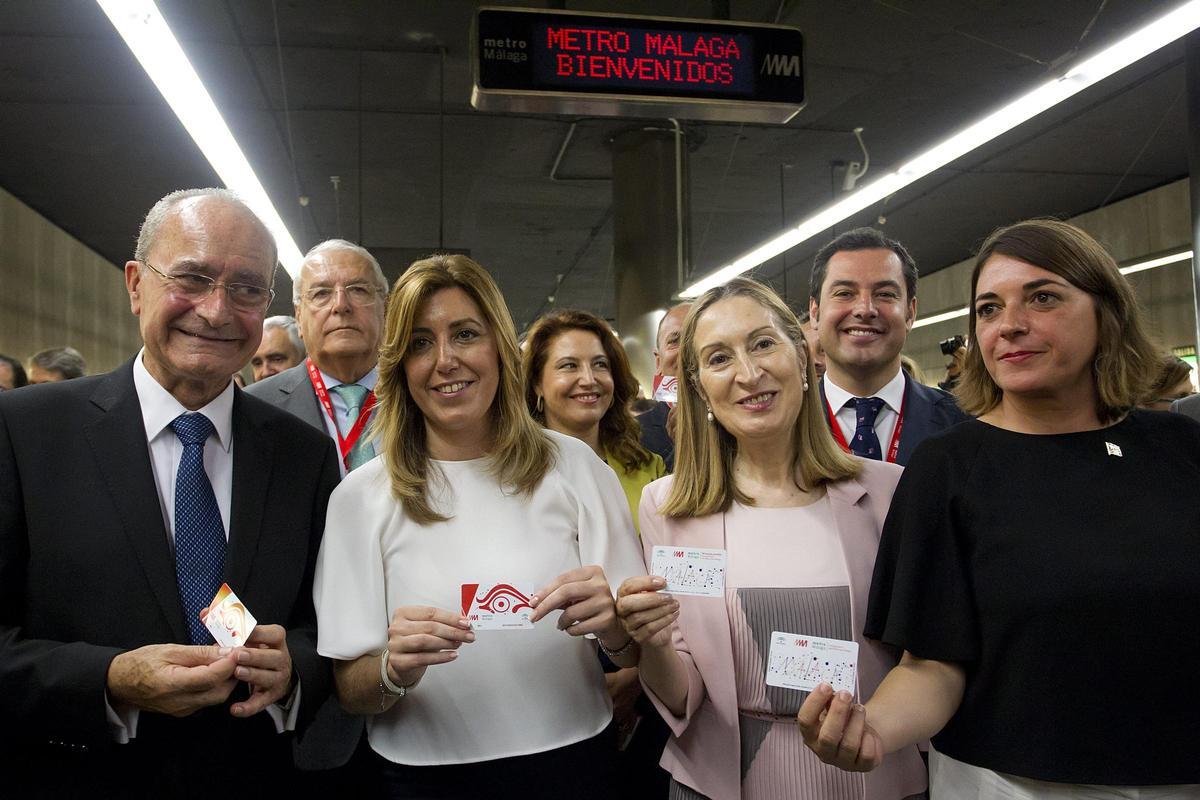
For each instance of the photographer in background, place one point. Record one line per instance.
(956, 348)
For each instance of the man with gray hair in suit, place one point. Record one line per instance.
(340, 296)
(281, 347)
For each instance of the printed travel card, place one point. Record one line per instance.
(498, 606)
(695, 571)
(802, 662)
(228, 620)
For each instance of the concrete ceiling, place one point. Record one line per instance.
(376, 92)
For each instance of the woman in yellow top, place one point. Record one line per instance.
(578, 382)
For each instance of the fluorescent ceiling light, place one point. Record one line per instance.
(1156, 262)
(145, 31)
(1133, 47)
(943, 317)
(1140, 266)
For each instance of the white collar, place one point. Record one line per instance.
(160, 408)
(892, 393)
(367, 380)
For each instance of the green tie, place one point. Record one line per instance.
(353, 396)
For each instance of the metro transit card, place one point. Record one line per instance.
(803, 662)
(694, 571)
(498, 606)
(228, 619)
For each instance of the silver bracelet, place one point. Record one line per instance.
(622, 650)
(386, 686)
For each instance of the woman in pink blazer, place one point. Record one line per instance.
(759, 476)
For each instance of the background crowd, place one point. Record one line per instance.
(991, 552)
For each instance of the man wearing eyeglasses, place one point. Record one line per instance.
(126, 500)
(340, 298)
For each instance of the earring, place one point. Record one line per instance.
(806, 384)
(538, 406)
(710, 416)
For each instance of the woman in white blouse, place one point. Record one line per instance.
(471, 495)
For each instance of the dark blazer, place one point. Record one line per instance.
(926, 411)
(654, 434)
(86, 572)
(330, 741)
(292, 391)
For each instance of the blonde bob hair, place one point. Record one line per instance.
(1127, 359)
(705, 451)
(521, 452)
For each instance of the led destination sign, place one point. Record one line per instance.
(673, 62)
(567, 62)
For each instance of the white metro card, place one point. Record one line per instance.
(498, 606)
(696, 571)
(802, 662)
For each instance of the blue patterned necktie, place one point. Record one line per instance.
(199, 533)
(866, 441)
(354, 395)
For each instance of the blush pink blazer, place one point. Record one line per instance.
(704, 750)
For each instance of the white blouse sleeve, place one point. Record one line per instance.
(606, 533)
(349, 589)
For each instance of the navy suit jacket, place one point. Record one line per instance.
(654, 433)
(87, 571)
(926, 411)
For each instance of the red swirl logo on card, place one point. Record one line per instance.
(498, 606)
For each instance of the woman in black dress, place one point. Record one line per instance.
(1040, 566)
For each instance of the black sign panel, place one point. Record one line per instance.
(625, 63)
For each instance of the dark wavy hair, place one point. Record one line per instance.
(620, 433)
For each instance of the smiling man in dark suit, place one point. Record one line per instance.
(863, 302)
(126, 499)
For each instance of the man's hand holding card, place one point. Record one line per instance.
(261, 653)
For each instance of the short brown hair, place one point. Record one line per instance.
(1127, 358)
(521, 453)
(705, 451)
(619, 431)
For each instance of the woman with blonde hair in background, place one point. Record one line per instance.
(759, 476)
(472, 507)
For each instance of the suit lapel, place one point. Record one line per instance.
(711, 624)
(252, 459)
(118, 442)
(300, 398)
(857, 533)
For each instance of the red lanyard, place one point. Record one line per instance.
(893, 448)
(345, 444)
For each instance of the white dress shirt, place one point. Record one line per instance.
(892, 395)
(344, 420)
(159, 409)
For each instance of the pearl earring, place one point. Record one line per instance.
(710, 416)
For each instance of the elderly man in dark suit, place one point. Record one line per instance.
(863, 301)
(126, 500)
(340, 296)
